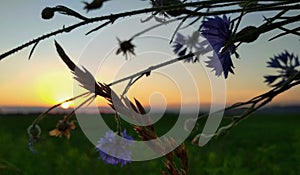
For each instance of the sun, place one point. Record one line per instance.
(66, 105)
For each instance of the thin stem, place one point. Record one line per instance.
(259, 102)
(238, 23)
(287, 31)
(255, 104)
(151, 68)
(181, 23)
(268, 27)
(130, 83)
(91, 98)
(41, 116)
(118, 122)
(265, 7)
(153, 27)
(99, 27)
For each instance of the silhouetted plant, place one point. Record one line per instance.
(220, 32)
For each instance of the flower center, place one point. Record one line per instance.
(63, 125)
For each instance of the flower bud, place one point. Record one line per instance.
(247, 34)
(48, 13)
(34, 131)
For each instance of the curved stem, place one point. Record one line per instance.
(151, 68)
(268, 27)
(90, 99)
(153, 27)
(257, 103)
(113, 17)
(41, 116)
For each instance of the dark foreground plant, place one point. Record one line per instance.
(219, 30)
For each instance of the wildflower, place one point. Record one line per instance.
(221, 64)
(286, 63)
(34, 132)
(63, 127)
(187, 45)
(218, 32)
(96, 4)
(113, 149)
(125, 47)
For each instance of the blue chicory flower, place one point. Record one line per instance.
(190, 44)
(218, 32)
(34, 132)
(114, 149)
(286, 64)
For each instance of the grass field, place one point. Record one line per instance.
(263, 144)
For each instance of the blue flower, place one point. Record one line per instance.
(114, 149)
(34, 132)
(187, 45)
(221, 64)
(286, 64)
(218, 32)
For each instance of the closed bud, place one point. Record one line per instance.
(48, 13)
(247, 34)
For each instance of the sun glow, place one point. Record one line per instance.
(66, 105)
(54, 87)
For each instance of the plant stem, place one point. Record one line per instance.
(151, 68)
(113, 17)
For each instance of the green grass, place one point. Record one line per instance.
(263, 145)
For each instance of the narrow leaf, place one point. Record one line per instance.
(139, 106)
(32, 50)
(65, 57)
(99, 27)
(133, 107)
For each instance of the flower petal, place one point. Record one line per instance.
(271, 78)
(287, 63)
(55, 132)
(113, 149)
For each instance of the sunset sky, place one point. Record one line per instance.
(45, 80)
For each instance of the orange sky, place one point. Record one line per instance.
(48, 84)
(45, 80)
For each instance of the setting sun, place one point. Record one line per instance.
(66, 105)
